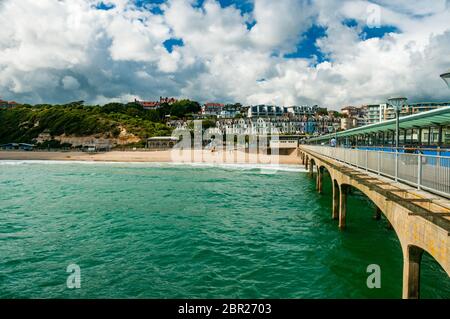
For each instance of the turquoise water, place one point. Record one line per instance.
(165, 231)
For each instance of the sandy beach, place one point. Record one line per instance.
(187, 156)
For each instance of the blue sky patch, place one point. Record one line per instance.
(157, 10)
(169, 44)
(370, 33)
(307, 48)
(151, 5)
(250, 25)
(104, 6)
(351, 23)
(245, 6)
(142, 3)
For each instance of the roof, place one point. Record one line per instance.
(167, 100)
(150, 104)
(10, 144)
(214, 105)
(17, 144)
(7, 102)
(431, 118)
(429, 104)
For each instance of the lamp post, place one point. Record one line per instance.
(446, 77)
(336, 126)
(397, 103)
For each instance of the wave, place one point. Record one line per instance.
(246, 166)
(265, 168)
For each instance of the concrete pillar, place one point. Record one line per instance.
(306, 162)
(411, 272)
(342, 205)
(377, 213)
(311, 169)
(335, 212)
(319, 180)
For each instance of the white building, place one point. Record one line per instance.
(265, 111)
(303, 110)
(382, 112)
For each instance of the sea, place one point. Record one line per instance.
(161, 230)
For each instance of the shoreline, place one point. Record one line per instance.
(188, 157)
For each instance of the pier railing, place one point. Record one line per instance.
(426, 172)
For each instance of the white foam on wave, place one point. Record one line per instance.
(245, 166)
(48, 162)
(265, 168)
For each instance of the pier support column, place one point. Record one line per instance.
(342, 205)
(411, 272)
(319, 180)
(311, 169)
(306, 162)
(377, 213)
(335, 213)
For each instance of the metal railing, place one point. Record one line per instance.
(426, 172)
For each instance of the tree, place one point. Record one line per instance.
(113, 108)
(206, 124)
(182, 108)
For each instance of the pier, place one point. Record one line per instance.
(420, 218)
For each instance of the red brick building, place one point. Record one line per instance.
(6, 104)
(213, 109)
(154, 105)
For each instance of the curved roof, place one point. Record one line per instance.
(431, 118)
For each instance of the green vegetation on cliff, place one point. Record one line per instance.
(25, 122)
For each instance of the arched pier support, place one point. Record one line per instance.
(343, 194)
(411, 272)
(319, 180)
(336, 199)
(311, 168)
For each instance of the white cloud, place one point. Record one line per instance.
(136, 36)
(280, 23)
(119, 54)
(70, 83)
(124, 98)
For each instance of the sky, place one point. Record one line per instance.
(332, 53)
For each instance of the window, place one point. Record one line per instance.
(446, 136)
